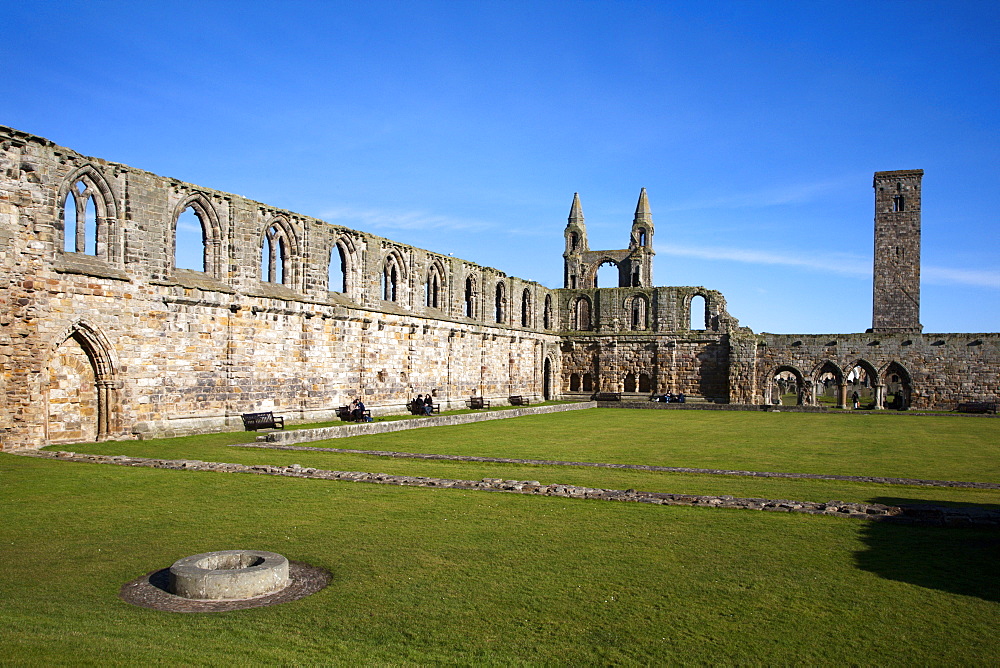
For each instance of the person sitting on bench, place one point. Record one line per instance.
(428, 405)
(357, 410)
(417, 406)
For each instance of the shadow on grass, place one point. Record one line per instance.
(959, 560)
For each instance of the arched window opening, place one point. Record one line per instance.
(526, 308)
(644, 383)
(787, 389)
(898, 388)
(861, 387)
(642, 236)
(636, 280)
(70, 223)
(581, 314)
(90, 228)
(607, 275)
(470, 297)
(898, 203)
(574, 382)
(337, 274)
(574, 240)
(390, 282)
(433, 288)
(637, 313)
(501, 302)
(80, 220)
(630, 382)
(547, 313)
(274, 255)
(189, 241)
(699, 313)
(588, 382)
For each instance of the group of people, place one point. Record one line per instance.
(669, 398)
(422, 405)
(357, 409)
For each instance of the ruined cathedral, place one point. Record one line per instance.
(102, 336)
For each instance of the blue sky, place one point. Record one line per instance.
(466, 127)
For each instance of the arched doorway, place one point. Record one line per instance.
(72, 405)
(81, 395)
(547, 379)
(898, 387)
(784, 386)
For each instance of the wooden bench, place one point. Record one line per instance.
(977, 407)
(344, 413)
(268, 420)
(435, 408)
(477, 402)
(518, 400)
(608, 396)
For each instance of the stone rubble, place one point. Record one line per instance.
(911, 515)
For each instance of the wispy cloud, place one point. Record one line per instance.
(382, 219)
(850, 265)
(973, 277)
(838, 263)
(795, 193)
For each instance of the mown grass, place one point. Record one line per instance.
(950, 448)
(457, 577)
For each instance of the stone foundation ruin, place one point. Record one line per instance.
(103, 336)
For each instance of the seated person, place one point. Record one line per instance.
(417, 405)
(680, 398)
(428, 405)
(357, 410)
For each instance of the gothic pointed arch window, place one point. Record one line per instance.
(337, 271)
(547, 313)
(581, 314)
(638, 312)
(89, 215)
(471, 293)
(197, 236)
(526, 308)
(274, 256)
(501, 302)
(432, 288)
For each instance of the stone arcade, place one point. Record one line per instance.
(102, 336)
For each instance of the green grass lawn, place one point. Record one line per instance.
(450, 576)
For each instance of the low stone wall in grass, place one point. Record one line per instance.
(924, 514)
(368, 428)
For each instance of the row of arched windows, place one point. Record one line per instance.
(89, 210)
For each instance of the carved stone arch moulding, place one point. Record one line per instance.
(97, 346)
(827, 365)
(101, 355)
(590, 275)
(768, 381)
(211, 226)
(276, 233)
(343, 249)
(96, 186)
(894, 368)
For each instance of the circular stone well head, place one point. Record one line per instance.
(229, 574)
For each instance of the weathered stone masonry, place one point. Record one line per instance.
(102, 336)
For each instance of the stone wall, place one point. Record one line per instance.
(101, 336)
(934, 370)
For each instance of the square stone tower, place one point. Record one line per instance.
(896, 303)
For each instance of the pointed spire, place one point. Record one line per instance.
(642, 214)
(576, 211)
